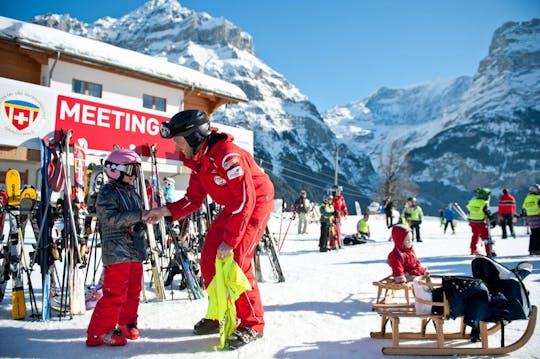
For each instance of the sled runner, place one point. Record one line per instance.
(477, 301)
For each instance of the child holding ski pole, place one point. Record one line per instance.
(119, 211)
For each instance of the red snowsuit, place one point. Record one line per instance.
(231, 177)
(338, 201)
(404, 262)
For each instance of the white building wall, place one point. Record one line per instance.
(125, 92)
(119, 90)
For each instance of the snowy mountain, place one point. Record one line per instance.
(292, 142)
(450, 127)
(464, 133)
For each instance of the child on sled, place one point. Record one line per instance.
(402, 259)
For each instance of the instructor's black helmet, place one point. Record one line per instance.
(193, 125)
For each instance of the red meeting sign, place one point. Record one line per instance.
(104, 126)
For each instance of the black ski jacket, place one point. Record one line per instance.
(119, 212)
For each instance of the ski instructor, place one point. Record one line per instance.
(231, 177)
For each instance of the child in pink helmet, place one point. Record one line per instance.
(119, 211)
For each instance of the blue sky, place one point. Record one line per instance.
(341, 51)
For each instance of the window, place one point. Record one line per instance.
(86, 88)
(155, 103)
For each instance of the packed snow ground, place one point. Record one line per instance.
(322, 310)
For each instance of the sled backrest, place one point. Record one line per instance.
(500, 279)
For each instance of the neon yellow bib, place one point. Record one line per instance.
(224, 289)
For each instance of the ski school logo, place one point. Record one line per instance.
(219, 181)
(21, 113)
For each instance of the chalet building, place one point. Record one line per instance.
(51, 80)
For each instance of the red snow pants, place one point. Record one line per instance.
(249, 308)
(120, 302)
(479, 230)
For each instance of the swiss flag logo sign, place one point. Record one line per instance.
(21, 114)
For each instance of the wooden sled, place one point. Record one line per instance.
(446, 343)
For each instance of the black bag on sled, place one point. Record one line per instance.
(508, 283)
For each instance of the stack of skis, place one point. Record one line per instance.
(65, 242)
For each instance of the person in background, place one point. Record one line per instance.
(301, 206)
(169, 191)
(119, 211)
(362, 228)
(340, 206)
(479, 214)
(149, 193)
(531, 207)
(414, 214)
(327, 219)
(449, 216)
(506, 212)
(232, 178)
(402, 259)
(388, 208)
(362, 232)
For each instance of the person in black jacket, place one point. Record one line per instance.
(388, 207)
(301, 207)
(119, 211)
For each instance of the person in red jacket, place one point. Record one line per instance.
(402, 259)
(506, 212)
(231, 177)
(338, 201)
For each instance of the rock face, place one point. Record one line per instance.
(459, 133)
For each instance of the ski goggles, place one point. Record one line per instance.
(129, 169)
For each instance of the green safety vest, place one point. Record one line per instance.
(327, 210)
(531, 204)
(363, 226)
(413, 214)
(476, 209)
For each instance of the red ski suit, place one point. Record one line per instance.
(231, 177)
(404, 262)
(340, 206)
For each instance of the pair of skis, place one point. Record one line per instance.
(268, 245)
(154, 249)
(188, 263)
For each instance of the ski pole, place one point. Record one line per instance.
(286, 231)
(281, 217)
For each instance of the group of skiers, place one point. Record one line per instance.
(403, 261)
(481, 219)
(411, 213)
(333, 210)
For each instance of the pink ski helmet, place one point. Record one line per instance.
(120, 162)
